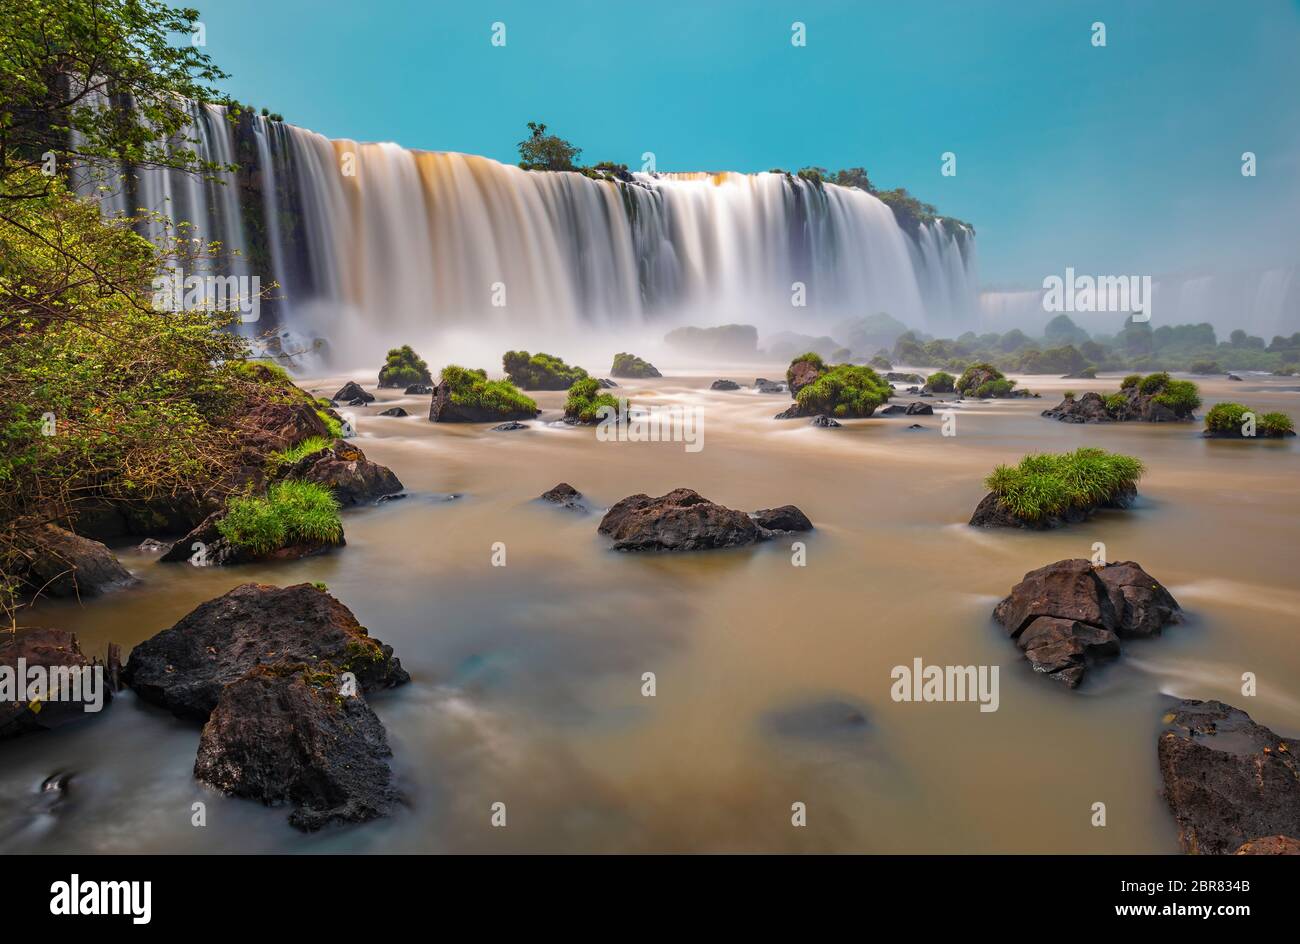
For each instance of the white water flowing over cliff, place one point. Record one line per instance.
(374, 244)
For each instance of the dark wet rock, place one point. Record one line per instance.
(287, 734)
(53, 561)
(1068, 614)
(892, 409)
(920, 409)
(53, 649)
(153, 546)
(443, 410)
(801, 374)
(419, 390)
(105, 519)
(912, 390)
(991, 513)
(916, 426)
(763, 385)
(1089, 408)
(184, 668)
(1270, 845)
(269, 425)
(566, 496)
(394, 411)
(682, 520)
(607, 383)
(507, 427)
(345, 470)
(820, 719)
(785, 518)
(353, 391)
(724, 385)
(1134, 407)
(821, 419)
(1233, 377)
(1228, 781)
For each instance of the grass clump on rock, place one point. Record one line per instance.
(845, 390)
(585, 399)
(629, 365)
(539, 371)
(471, 388)
(290, 456)
(941, 382)
(290, 513)
(404, 367)
(1230, 420)
(984, 380)
(1054, 485)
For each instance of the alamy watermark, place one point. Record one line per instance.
(34, 684)
(920, 682)
(176, 291)
(1117, 293)
(651, 424)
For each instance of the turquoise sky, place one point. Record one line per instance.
(1112, 160)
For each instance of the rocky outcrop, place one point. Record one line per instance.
(684, 520)
(353, 391)
(293, 734)
(629, 365)
(184, 668)
(763, 385)
(1089, 408)
(271, 424)
(205, 546)
(55, 562)
(724, 385)
(920, 409)
(785, 518)
(802, 373)
(991, 513)
(443, 409)
(1229, 782)
(419, 390)
(56, 652)
(1071, 613)
(1129, 406)
(566, 496)
(345, 471)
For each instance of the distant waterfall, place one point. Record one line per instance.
(374, 244)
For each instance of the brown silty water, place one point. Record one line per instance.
(527, 679)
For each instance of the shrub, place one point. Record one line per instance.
(1088, 373)
(1116, 402)
(585, 398)
(1226, 417)
(1069, 394)
(471, 388)
(1132, 380)
(540, 371)
(979, 380)
(290, 513)
(940, 382)
(1275, 424)
(404, 367)
(1181, 396)
(1204, 367)
(994, 388)
(1051, 484)
(845, 390)
(1153, 383)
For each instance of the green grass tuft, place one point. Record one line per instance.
(471, 388)
(287, 457)
(1045, 485)
(585, 398)
(290, 513)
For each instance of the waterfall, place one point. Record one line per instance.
(374, 244)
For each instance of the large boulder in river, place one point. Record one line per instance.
(684, 520)
(53, 561)
(465, 395)
(184, 668)
(1227, 780)
(1069, 614)
(353, 391)
(56, 653)
(1089, 408)
(291, 733)
(345, 471)
(206, 546)
(629, 365)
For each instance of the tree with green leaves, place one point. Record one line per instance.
(542, 151)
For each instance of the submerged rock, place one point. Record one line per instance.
(763, 385)
(56, 651)
(507, 427)
(822, 719)
(785, 518)
(288, 734)
(920, 409)
(821, 419)
(53, 561)
(684, 520)
(185, 668)
(352, 391)
(394, 411)
(1230, 783)
(418, 390)
(724, 385)
(1069, 614)
(566, 496)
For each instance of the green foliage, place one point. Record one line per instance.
(334, 426)
(309, 446)
(880, 362)
(1226, 417)
(845, 390)
(542, 151)
(984, 380)
(290, 513)
(1116, 402)
(1181, 396)
(629, 365)
(1132, 380)
(1048, 484)
(941, 382)
(471, 388)
(1275, 424)
(1204, 367)
(585, 398)
(540, 371)
(404, 367)
(1154, 383)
